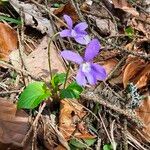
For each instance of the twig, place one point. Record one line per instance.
(9, 92)
(115, 93)
(124, 131)
(90, 96)
(34, 137)
(133, 3)
(96, 15)
(113, 143)
(21, 44)
(98, 145)
(77, 9)
(104, 127)
(34, 123)
(141, 55)
(113, 18)
(142, 20)
(25, 72)
(114, 70)
(136, 143)
(85, 109)
(43, 7)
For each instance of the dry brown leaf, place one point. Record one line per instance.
(13, 125)
(60, 147)
(131, 69)
(143, 113)
(70, 114)
(109, 64)
(7, 110)
(37, 61)
(116, 80)
(143, 78)
(124, 5)
(33, 16)
(106, 27)
(140, 25)
(69, 10)
(86, 5)
(8, 41)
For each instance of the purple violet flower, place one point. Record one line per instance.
(78, 32)
(88, 71)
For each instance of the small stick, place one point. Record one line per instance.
(114, 70)
(141, 55)
(124, 131)
(9, 92)
(47, 10)
(105, 127)
(77, 9)
(21, 44)
(90, 96)
(34, 123)
(25, 72)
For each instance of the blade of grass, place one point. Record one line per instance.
(11, 20)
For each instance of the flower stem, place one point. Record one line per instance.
(49, 54)
(67, 74)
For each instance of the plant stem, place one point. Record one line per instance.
(67, 75)
(49, 54)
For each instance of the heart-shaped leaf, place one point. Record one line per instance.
(33, 95)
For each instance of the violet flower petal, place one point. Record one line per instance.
(72, 56)
(92, 50)
(65, 33)
(90, 78)
(84, 39)
(80, 78)
(73, 33)
(68, 21)
(98, 71)
(81, 26)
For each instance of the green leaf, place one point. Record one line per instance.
(89, 142)
(11, 20)
(33, 95)
(129, 31)
(72, 91)
(2, 2)
(58, 79)
(77, 144)
(107, 147)
(56, 5)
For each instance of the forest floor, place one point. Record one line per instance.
(41, 105)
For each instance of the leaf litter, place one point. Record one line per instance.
(69, 123)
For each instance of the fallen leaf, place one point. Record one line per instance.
(143, 113)
(37, 61)
(13, 125)
(8, 41)
(116, 80)
(131, 69)
(140, 25)
(109, 64)
(67, 9)
(33, 16)
(143, 78)
(124, 5)
(51, 133)
(7, 110)
(60, 147)
(70, 114)
(106, 27)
